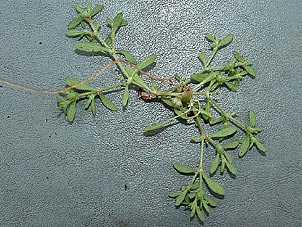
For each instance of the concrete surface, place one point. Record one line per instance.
(103, 171)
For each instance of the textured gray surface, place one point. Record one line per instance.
(56, 174)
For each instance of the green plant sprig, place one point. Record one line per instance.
(192, 99)
(188, 102)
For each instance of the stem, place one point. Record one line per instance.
(203, 138)
(226, 115)
(201, 155)
(211, 57)
(113, 86)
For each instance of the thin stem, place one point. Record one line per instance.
(226, 115)
(201, 155)
(113, 86)
(211, 57)
(203, 138)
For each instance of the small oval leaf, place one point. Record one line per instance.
(108, 103)
(128, 56)
(203, 58)
(125, 96)
(224, 132)
(226, 41)
(96, 10)
(252, 117)
(90, 47)
(183, 169)
(244, 146)
(250, 70)
(200, 215)
(231, 168)
(147, 61)
(213, 185)
(214, 165)
(210, 37)
(232, 145)
(260, 146)
(71, 111)
(181, 197)
(74, 23)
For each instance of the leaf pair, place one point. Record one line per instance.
(83, 14)
(216, 42)
(116, 23)
(222, 159)
(245, 65)
(249, 141)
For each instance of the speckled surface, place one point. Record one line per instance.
(56, 174)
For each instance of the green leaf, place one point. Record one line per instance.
(205, 206)
(259, 145)
(79, 9)
(250, 70)
(202, 57)
(182, 113)
(108, 103)
(93, 107)
(213, 185)
(90, 47)
(89, 9)
(198, 77)
(96, 10)
(138, 80)
(168, 101)
(209, 77)
(128, 56)
(147, 61)
(71, 82)
(214, 165)
(174, 194)
(196, 139)
(252, 118)
(244, 146)
(238, 57)
(231, 86)
(72, 95)
(210, 201)
(90, 98)
(74, 33)
(195, 185)
(222, 166)
(181, 197)
(109, 22)
(158, 125)
(200, 215)
(183, 169)
(117, 22)
(74, 23)
(226, 41)
(232, 145)
(125, 96)
(231, 168)
(214, 121)
(227, 156)
(193, 212)
(210, 37)
(224, 132)
(71, 111)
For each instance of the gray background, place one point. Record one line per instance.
(56, 174)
